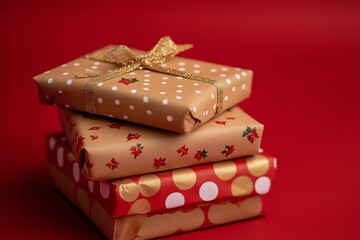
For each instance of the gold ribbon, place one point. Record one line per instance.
(128, 62)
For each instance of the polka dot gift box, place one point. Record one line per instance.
(109, 149)
(169, 202)
(152, 88)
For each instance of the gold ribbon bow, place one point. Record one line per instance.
(128, 61)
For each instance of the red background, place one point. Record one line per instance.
(305, 56)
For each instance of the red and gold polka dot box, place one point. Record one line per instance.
(164, 203)
(179, 101)
(110, 149)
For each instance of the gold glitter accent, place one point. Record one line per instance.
(127, 61)
(258, 165)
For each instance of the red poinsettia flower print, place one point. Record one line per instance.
(116, 125)
(136, 150)
(251, 134)
(229, 149)
(128, 81)
(80, 143)
(88, 164)
(94, 128)
(200, 154)
(230, 118)
(132, 136)
(160, 162)
(112, 164)
(93, 137)
(220, 122)
(183, 151)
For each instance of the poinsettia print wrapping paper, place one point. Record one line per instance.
(109, 149)
(166, 190)
(147, 97)
(143, 222)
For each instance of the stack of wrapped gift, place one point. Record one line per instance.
(153, 144)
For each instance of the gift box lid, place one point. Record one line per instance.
(180, 98)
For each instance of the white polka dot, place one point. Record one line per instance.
(262, 185)
(110, 115)
(233, 89)
(207, 112)
(212, 96)
(222, 75)
(243, 86)
(64, 65)
(178, 97)
(181, 64)
(67, 105)
(146, 89)
(163, 82)
(203, 114)
(94, 67)
(141, 55)
(228, 81)
(163, 64)
(196, 65)
(76, 64)
(114, 88)
(117, 101)
(213, 70)
(69, 82)
(165, 78)
(97, 63)
(146, 84)
(65, 73)
(162, 93)
(214, 107)
(224, 69)
(104, 189)
(198, 91)
(196, 84)
(194, 109)
(181, 69)
(174, 200)
(244, 74)
(169, 118)
(196, 71)
(165, 101)
(60, 156)
(76, 172)
(147, 75)
(261, 150)
(131, 107)
(132, 73)
(60, 92)
(208, 191)
(100, 84)
(146, 70)
(226, 98)
(125, 117)
(237, 76)
(91, 185)
(52, 143)
(275, 163)
(179, 77)
(50, 80)
(109, 70)
(100, 100)
(149, 112)
(146, 80)
(145, 99)
(179, 91)
(179, 86)
(133, 91)
(46, 72)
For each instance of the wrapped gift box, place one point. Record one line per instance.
(108, 149)
(163, 100)
(168, 189)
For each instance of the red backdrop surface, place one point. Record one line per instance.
(305, 57)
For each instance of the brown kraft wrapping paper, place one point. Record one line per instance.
(110, 149)
(146, 225)
(147, 97)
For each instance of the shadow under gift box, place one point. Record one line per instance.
(147, 97)
(168, 202)
(109, 149)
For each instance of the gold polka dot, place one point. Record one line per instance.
(225, 170)
(83, 200)
(102, 219)
(149, 184)
(184, 178)
(128, 190)
(241, 186)
(226, 212)
(139, 207)
(258, 165)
